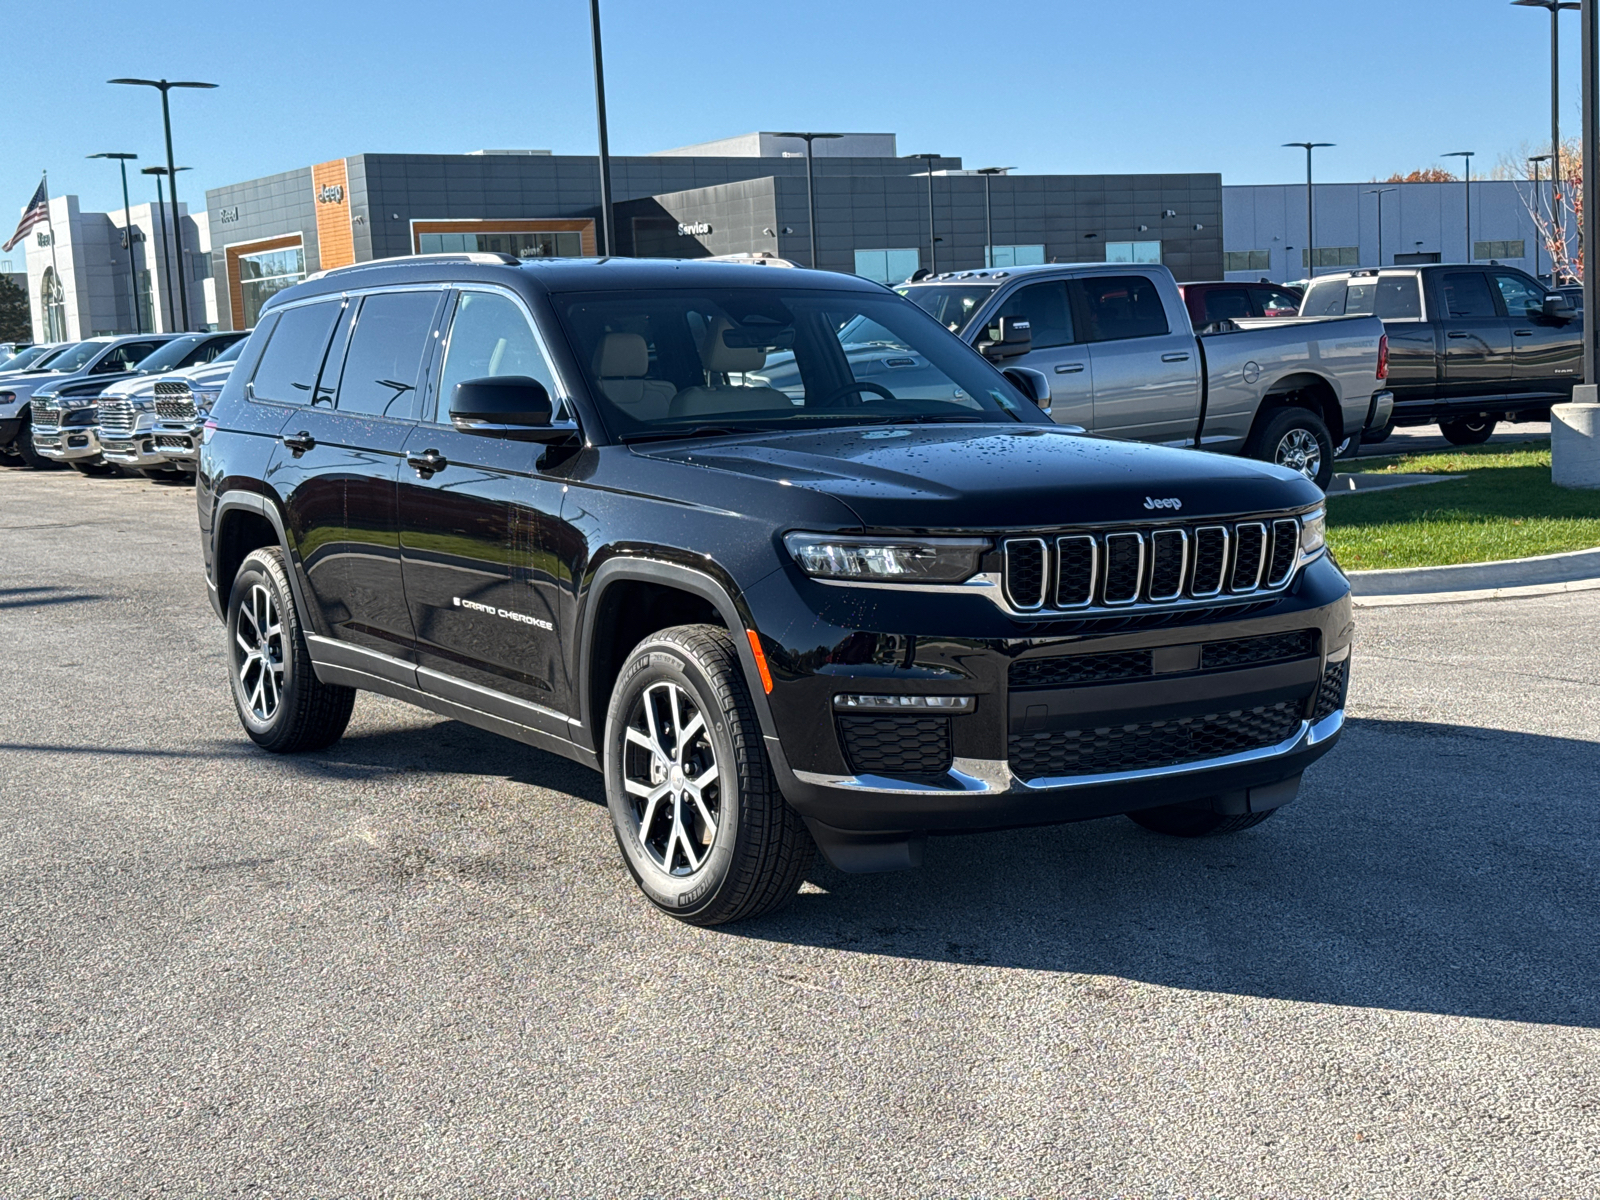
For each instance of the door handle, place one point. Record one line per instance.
(1522, 333)
(1174, 358)
(1456, 333)
(1068, 368)
(299, 443)
(428, 463)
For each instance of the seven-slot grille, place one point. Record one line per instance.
(118, 417)
(174, 400)
(1159, 566)
(45, 414)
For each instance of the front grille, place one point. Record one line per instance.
(174, 400)
(896, 745)
(1123, 568)
(1153, 744)
(1071, 670)
(45, 414)
(166, 441)
(1331, 692)
(118, 417)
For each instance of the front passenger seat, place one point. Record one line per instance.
(621, 363)
(721, 360)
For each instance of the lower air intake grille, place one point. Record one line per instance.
(896, 745)
(1068, 670)
(1248, 652)
(1155, 744)
(1331, 693)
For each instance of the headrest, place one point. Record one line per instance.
(621, 356)
(724, 359)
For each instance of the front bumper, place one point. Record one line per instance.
(137, 449)
(68, 443)
(179, 441)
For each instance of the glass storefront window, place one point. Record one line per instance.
(554, 243)
(264, 275)
(52, 306)
(888, 266)
(1133, 252)
(1016, 256)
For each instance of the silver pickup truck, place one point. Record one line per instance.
(1115, 344)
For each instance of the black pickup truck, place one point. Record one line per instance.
(1469, 346)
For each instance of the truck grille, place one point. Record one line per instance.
(1149, 567)
(1072, 670)
(174, 400)
(1152, 744)
(45, 414)
(896, 745)
(118, 417)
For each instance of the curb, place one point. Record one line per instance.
(1542, 575)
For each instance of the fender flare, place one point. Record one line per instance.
(699, 583)
(261, 506)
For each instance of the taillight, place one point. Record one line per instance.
(1383, 356)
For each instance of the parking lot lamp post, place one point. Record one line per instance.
(1380, 193)
(1590, 230)
(811, 200)
(933, 252)
(988, 216)
(1536, 159)
(166, 256)
(1555, 7)
(127, 230)
(164, 86)
(1467, 155)
(1311, 232)
(606, 246)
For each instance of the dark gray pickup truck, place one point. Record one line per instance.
(1469, 346)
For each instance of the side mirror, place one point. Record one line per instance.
(1557, 308)
(1008, 337)
(1032, 384)
(505, 406)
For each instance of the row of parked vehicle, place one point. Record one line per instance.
(106, 405)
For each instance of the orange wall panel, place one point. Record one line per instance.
(336, 239)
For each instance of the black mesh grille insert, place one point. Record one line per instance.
(1248, 541)
(1124, 554)
(896, 745)
(1168, 551)
(1249, 652)
(1025, 572)
(1331, 693)
(1285, 551)
(1156, 744)
(1210, 560)
(1071, 669)
(1075, 571)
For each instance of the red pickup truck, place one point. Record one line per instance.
(1209, 303)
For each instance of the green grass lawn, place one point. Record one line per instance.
(1506, 507)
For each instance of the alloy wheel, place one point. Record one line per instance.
(669, 770)
(258, 656)
(1300, 451)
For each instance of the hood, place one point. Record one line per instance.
(143, 387)
(999, 476)
(208, 376)
(79, 387)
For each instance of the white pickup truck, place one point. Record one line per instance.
(1115, 344)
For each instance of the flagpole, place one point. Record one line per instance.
(55, 266)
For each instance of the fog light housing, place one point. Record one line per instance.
(941, 705)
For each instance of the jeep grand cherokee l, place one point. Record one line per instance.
(554, 500)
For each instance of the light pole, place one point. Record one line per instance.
(164, 86)
(988, 216)
(933, 252)
(1467, 155)
(1536, 159)
(1555, 7)
(811, 200)
(1590, 231)
(605, 247)
(127, 229)
(1380, 193)
(1311, 232)
(166, 261)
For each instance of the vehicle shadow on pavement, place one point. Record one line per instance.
(1427, 868)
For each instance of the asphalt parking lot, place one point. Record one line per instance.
(415, 965)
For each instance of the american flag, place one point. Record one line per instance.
(38, 210)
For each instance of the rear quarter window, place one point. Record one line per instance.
(1325, 299)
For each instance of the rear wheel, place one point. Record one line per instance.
(1177, 821)
(1468, 431)
(697, 812)
(1296, 438)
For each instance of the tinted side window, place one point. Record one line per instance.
(1522, 298)
(1325, 299)
(1044, 305)
(1466, 294)
(390, 336)
(288, 369)
(491, 336)
(1121, 306)
(123, 357)
(1226, 305)
(1399, 297)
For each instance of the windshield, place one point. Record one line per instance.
(170, 355)
(672, 363)
(24, 357)
(77, 356)
(950, 305)
(232, 353)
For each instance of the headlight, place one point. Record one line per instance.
(886, 560)
(1313, 531)
(204, 400)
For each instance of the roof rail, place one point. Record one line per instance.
(472, 256)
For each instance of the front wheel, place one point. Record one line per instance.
(697, 812)
(1468, 431)
(1296, 438)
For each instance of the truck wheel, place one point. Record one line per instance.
(697, 812)
(1298, 439)
(1178, 821)
(282, 704)
(1468, 431)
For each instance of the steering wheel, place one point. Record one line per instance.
(841, 392)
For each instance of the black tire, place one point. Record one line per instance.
(754, 849)
(94, 466)
(1468, 431)
(282, 704)
(1286, 438)
(1373, 437)
(24, 446)
(1177, 821)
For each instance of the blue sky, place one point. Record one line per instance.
(1062, 86)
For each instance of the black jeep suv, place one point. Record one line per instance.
(650, 515)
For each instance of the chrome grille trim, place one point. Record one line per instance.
(1122, 595)
(118, 417)
(1078, 597)
(1014, 545)
(1285, 552)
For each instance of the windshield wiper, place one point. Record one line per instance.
(697, 432)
